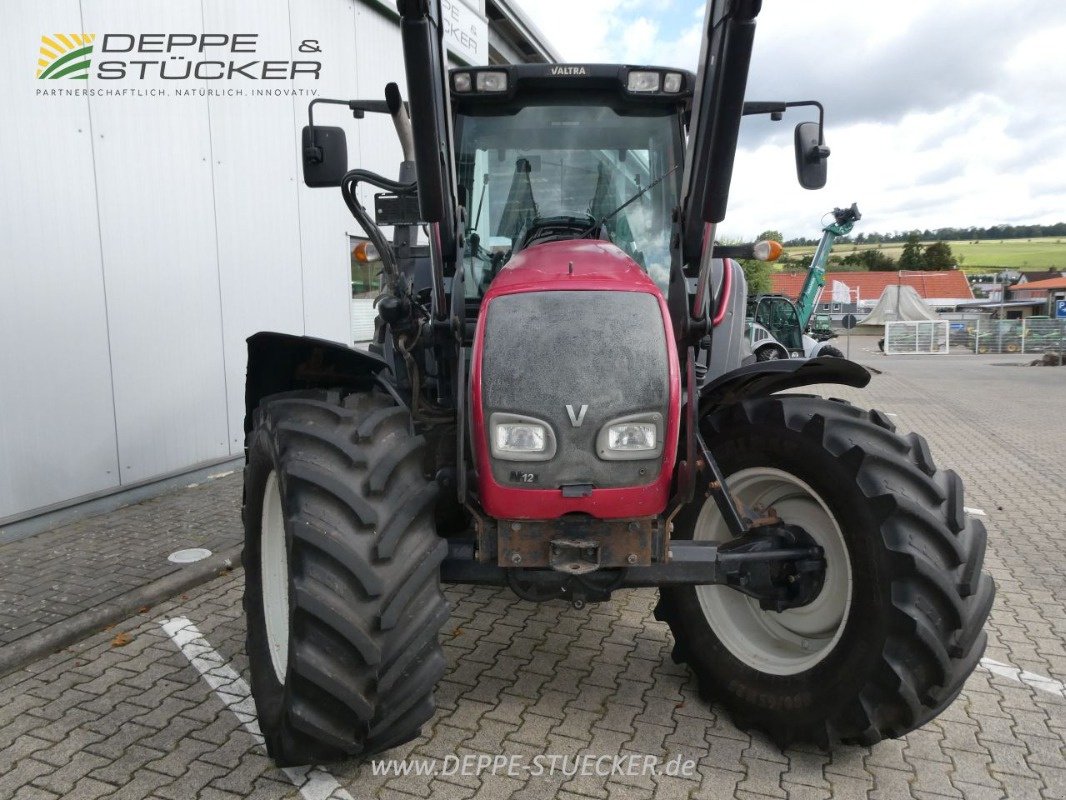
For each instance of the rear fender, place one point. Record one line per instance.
(769, 377)
(281, 362)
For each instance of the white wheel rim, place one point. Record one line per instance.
(274, 572)
(795, 640)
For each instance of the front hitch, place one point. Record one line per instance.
(779, 565)
(579, 558)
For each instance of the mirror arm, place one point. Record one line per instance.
(776, 110)
(358, 109)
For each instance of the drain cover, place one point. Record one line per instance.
(189, 556)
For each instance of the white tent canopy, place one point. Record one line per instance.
(899, 302)
(841, 292)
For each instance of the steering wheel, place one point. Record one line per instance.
(558, 227)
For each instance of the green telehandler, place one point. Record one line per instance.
(777, 325)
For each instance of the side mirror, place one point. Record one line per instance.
(811, 155)
(325, 155)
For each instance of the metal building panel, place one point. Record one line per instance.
(255, 171)
(379, 60)
(363, 316)
(324, 220)
(159, 250)
(57, 427)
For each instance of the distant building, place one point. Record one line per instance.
(1044, 296)
(1031, 294)
(942, 290)
(1039, 275)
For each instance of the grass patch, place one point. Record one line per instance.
(981, 256)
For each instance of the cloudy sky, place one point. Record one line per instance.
(947, 113)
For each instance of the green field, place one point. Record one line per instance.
(979, 256)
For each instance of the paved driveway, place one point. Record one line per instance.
(167, 715)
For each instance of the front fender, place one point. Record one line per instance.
(769, 377)
(281, 362)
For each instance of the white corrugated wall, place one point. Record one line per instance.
(143, 239)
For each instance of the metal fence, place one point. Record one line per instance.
(1031, 335)
(922, 337)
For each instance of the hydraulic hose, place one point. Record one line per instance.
(351, 179)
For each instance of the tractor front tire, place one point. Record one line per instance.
(342, 580)
(898, 625)
(830, 351)
(771, 352)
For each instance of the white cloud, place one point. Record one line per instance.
(638, 40)
(937, 114)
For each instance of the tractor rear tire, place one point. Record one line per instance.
(898, 625)
(342, 580)
(830, 351)
(771, 352)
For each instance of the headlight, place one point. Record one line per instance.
(672, 82)
(631, 436)
(637, 436)
(461, 82)
(517, 438)
(643, 81)
(491, 81)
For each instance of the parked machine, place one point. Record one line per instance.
(821, 327)
(779, 328)
(530, 415)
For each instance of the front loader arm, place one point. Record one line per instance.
(422, 33)
(718, 105)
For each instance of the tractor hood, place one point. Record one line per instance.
(571, 264)
(574, 339)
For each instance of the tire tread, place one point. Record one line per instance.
(941, 598)
(364, 556)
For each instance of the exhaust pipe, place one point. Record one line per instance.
(401, 119)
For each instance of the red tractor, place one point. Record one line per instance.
(558, 400)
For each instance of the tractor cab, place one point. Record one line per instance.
(548, 152)
(778, 315)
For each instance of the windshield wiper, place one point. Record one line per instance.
(600, 222)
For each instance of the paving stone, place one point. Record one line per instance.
(200, 773)
(25, 770)
(763, 777)
(89, 789)
(62, 780)
(102, 556)
(121, 767)
(31, 792)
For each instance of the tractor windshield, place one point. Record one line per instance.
(581, 162)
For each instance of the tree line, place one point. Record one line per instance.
(915, 256)
(946, 234)
(931, 257)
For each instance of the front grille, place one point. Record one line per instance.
(545, 350)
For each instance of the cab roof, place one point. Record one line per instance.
(526, 83)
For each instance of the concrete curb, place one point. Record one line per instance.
(73, 629)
